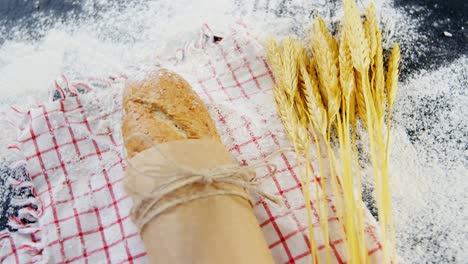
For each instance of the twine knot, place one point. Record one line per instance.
(150, 205)
(207, 180)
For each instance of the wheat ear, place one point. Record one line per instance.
(392, 75)
(273, 54)
(353, 214)
(352, 109)
(326, 62)
(392, 87)
(316, 110)
(376, 54)
(360, 100)
(290, 72)
(346, 69)
(326, 57)
(360, 52)
(317, 117)
(286, 93)
(371, 26)
(379, 80)
(328, 36)
(356, 36)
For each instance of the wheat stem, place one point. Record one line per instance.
(359, 184)
(328, 90)
(284, 63)
(324, 215)
(392, 87)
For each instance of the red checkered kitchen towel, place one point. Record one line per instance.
(71, 147)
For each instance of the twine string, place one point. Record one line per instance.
(149, 205)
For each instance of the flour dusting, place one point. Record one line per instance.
(429, 154)
(429, 165)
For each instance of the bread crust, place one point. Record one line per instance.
(164, 107)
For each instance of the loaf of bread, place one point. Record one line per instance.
(210, 230)
(165, 108)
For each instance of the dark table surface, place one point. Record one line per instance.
(451, 16)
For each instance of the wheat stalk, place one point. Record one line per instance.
(325, 54)
(367, 104)
(392, 87)
(317, 117)
(353, 213)
(292, 113)
(334, 87)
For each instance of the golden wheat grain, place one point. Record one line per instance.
(379, 80)
(294, 117)
(356, 36)
(283, 61)
(317, 116)
(316, 110)
(360, 99)
(285, 111)
(301, 59)
(319, 78)
(301, 97)
(369, 35)
(314, 83)
(346, 69)
(371, 26)
(289, 60)
(376, 55)
(350, 76)
(352, 214)
(392, 75)
(392, 87)
(352, 108)
(328, 36)
(312, 70)
(326, 59)
(273, 54)
(286, 92)
(275, 60)
(296, 134)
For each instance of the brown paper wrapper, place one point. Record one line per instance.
(215, 229)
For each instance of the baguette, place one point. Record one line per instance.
(215, 229)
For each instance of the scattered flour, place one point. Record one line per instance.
(429, 138)
(430, 165)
